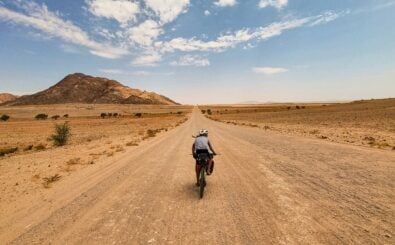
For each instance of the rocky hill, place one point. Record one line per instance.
(81, 88)
(5, 97)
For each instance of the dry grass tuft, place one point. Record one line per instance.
(74, 161)
(132, 143)
(40, 147)
(6, 151)
(51, 179)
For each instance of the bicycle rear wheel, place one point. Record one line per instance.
(202, 181)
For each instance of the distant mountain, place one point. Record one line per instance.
(5, 97)
(81, 88)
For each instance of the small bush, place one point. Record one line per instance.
(51, 179)
(4, 117)
(66, 115)
(55, 117)
(303, 107)
(41, 116)
(6, 151)
(203, 111)
(40, 147)
(179, 113)
(28, 148)
(109, 114)
(132, 143)
(297, 107)
(138, 114)
(115, 114)
(151, 133)
(103, 115)
(209, 112)
(62, 134)
(288, 108)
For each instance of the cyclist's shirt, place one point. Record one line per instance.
(203, 143)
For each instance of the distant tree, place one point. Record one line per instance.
(41, 116)
(103, 115)
(297, 107)
(138, 114)
(179, 112)
(204, 111)
(109, 114)
(4, 117)
(115, 114)
(289, 108)
(55, 117)
(66, 115)
(303, 107)
(209, 112)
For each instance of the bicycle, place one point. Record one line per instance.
(203, 162)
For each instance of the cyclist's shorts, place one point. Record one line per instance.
(202, 154)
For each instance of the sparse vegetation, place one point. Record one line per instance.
(66, 115)
(62, 134)
(132, 143)
(40, 147)
(203, 111)
(138, 114)
(209, 112)
(9, 150)
(103, 115)
(55, 117)
(4, 117)
(151, 133)
(51, 179)
(28, 148)
(41, 116)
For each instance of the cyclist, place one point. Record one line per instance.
(202, 145)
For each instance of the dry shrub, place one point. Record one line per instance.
(132, 143)
(119, 148)
(74, 161)
(6, 151)
(51, 179)
(28, 148)
(40, 147)
(4, 117)
(61, 135)
(151, 133)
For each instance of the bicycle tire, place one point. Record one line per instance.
(202, 180)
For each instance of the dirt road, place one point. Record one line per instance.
(266, 189)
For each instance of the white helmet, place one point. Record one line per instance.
(203, 131)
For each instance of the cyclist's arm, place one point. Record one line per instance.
(193, 150)
(211, 148)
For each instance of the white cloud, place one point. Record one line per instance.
(145, 33)
(225, 3)
(40, 18)
(112, 71)
(167, 10)
(191, 60)
(148, 59)
(269, 70)
(279, 4)
(207, 13)
(325, 18)
(121, 10)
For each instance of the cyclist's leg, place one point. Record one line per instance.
(197, 168)
(210, 162)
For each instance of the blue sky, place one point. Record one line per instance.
(213, 51)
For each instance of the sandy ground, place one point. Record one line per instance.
(267, 188)
(368, 123)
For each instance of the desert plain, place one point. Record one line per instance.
(286, 174)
